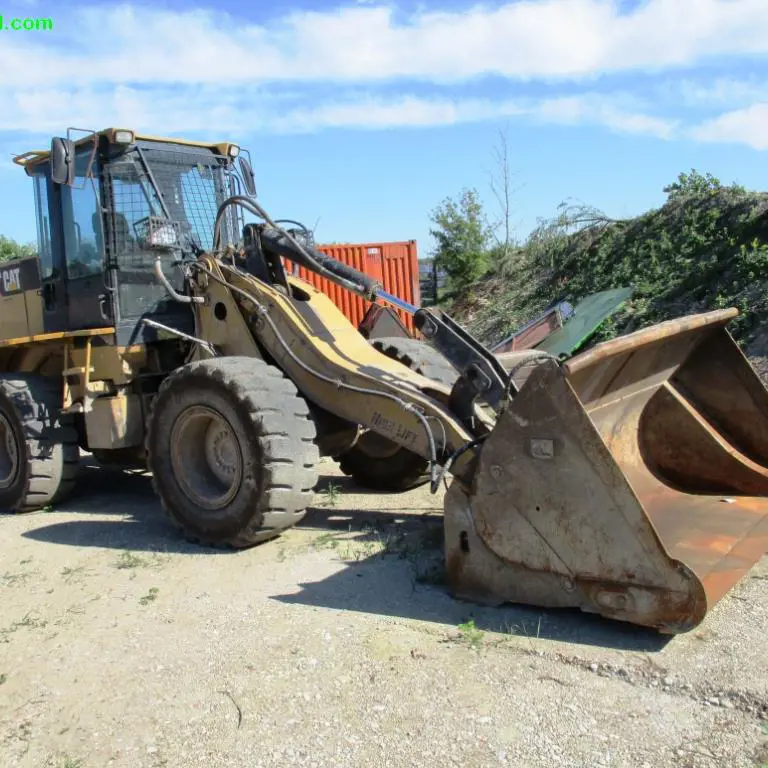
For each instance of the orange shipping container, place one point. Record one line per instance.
(394, 265)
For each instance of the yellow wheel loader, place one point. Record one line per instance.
(159, 326)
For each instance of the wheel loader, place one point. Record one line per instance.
(159, 326)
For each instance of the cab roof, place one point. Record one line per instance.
(33, 157)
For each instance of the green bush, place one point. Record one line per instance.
(10, 249)
(706, 248)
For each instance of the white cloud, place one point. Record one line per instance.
(570, 39)
(204, 71)
(719, 92)
(612, 112)
(232, 111)
(415, 112)
(741, 126)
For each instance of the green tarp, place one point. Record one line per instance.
(587, 317)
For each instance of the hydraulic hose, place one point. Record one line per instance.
(276, 241)
(286, 245)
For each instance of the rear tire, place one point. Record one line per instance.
(230, 445)
(39, 455)
(381, 464)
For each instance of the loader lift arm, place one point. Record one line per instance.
(307, 336)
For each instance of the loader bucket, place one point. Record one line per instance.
(631, 481)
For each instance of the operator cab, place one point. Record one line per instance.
(107, 206)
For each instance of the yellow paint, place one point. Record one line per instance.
(115, 422)
(35, 156)
(13, 313)
(324, 340)
(34, 307)
(117, 364)
(20, 313)
(57, 336)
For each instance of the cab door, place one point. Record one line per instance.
(83, 245)
(53, 289)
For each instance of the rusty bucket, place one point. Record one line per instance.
(630, 481)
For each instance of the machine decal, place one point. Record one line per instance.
(19, 276)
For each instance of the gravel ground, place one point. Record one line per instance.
(336, 645)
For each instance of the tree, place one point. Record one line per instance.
(500, 181)
(462, 236)
(10, 249)
(695, 184)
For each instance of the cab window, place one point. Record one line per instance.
(42, 212)
(81, 209)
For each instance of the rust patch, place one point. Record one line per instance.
(652, 503)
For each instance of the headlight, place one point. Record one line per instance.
(123, 137)
(163, 236)
(234, 150)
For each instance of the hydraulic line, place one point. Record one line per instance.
(346, 276)
(407, 407)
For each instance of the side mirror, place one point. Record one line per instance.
(249, 180)
(62, 161)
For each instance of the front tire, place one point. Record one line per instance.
(39, 455)
(380, 464)
(230, 445)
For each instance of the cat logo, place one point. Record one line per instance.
(11, 280)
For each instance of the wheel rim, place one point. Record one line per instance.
(206, 457)
(9, 452)
(377, 447)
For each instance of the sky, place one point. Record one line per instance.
(362, 116)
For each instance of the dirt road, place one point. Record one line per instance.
(336, 645)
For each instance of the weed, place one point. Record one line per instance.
(47, 508)
(530, 637)
(332, 493)
(129, 560)
(70, 762)
(470, 634)
(325, 541)
(430, 573)
(72, 573)
(395, 542)
(150, 596)
(352, 551)
(31, 622)
(10, 579)
(3, 678)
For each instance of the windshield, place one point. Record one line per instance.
(161, 195)
(191, 186)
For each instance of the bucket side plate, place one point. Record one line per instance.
(588, 493)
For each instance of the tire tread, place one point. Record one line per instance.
(405, 470)
(53, 462)
(286, 434)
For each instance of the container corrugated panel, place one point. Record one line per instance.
(394, 265)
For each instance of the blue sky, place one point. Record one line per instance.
(365, 115)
